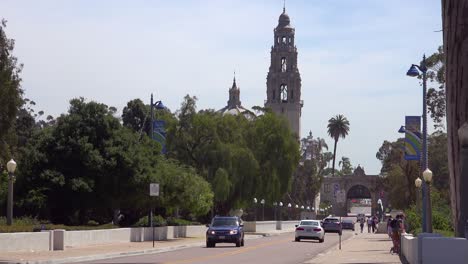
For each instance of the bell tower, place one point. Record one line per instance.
(283, 79)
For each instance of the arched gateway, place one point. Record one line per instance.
(352, 194)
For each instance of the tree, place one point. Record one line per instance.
(338, 127)
(346, 167)
(136, 115)
(399, 173)
(454, 22)
(436, 96)
(10, 93)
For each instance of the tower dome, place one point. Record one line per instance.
(284, 19)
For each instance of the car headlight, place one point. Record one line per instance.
(211, 232)
(233, 232)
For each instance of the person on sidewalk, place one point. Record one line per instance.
(369, 224)
(375, 221)
(389, 229)
(397, 226)
(361, 223)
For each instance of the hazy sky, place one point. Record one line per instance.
(353, 57)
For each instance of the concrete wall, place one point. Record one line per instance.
(409, 248)
(90, 237)
(268, 226)
(444, 250)
(25, 241)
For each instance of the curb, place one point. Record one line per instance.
(122, 254)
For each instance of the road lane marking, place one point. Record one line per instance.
(229, 253)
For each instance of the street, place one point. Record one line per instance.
(275, 249)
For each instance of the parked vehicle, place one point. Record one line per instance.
(332, 225)
(225, 229)
(309, 229)
(347, 224)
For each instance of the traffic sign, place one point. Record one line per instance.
(154, 189)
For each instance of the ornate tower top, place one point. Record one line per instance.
(284, 80)
(234, 95)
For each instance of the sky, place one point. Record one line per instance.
(352, 56)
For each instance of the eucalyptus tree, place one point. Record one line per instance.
(10, 93)
(338, 127)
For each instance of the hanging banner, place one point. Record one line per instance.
(159, 133)
(413, 138)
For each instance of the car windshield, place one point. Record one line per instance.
(331, 220)
(309, 223)
(347, 221)
(224, 222)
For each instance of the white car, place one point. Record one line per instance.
(310, 229)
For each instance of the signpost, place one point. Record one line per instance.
(340, 232)
(154, 191)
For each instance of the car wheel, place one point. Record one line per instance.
(242, 243)
(238, 243)
(322, 240)
(297, 239)
(209, 244)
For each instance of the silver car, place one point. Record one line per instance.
(309, 229)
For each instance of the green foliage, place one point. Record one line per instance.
(436, 103)
(10, 95)
(241, 158)
(88, 165)
(346, 167)
(30, 224)
(441, 220)
(157, 221)
(400, 174)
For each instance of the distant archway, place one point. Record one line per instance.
(359, 200)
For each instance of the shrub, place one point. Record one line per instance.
(92, 223)
(178, 222)
(157, 221)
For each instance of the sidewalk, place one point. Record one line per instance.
(362, 248)
(106, 251)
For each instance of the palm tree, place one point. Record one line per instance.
(338, 127)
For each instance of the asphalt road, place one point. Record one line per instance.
(275, 249)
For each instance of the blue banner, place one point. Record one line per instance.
(413, 138)
(159, 133)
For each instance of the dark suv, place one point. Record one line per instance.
(225, 229)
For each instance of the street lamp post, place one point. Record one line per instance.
(275, 204)
(289, 213)
(418, 183)
(413, 72)
(297, 212)
(280, 207)
(11, 167)
(255, 209)
(427, 175)
(263, 209)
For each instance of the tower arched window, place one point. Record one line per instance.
(284, 64)
(284, 92)
(283, 40)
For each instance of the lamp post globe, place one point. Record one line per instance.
(11, 166)
(418, 182)
(427, 175)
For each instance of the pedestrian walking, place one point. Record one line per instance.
(369, 224)
(397, 227)
(374, 224)
(389, 229)
(361, 223)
